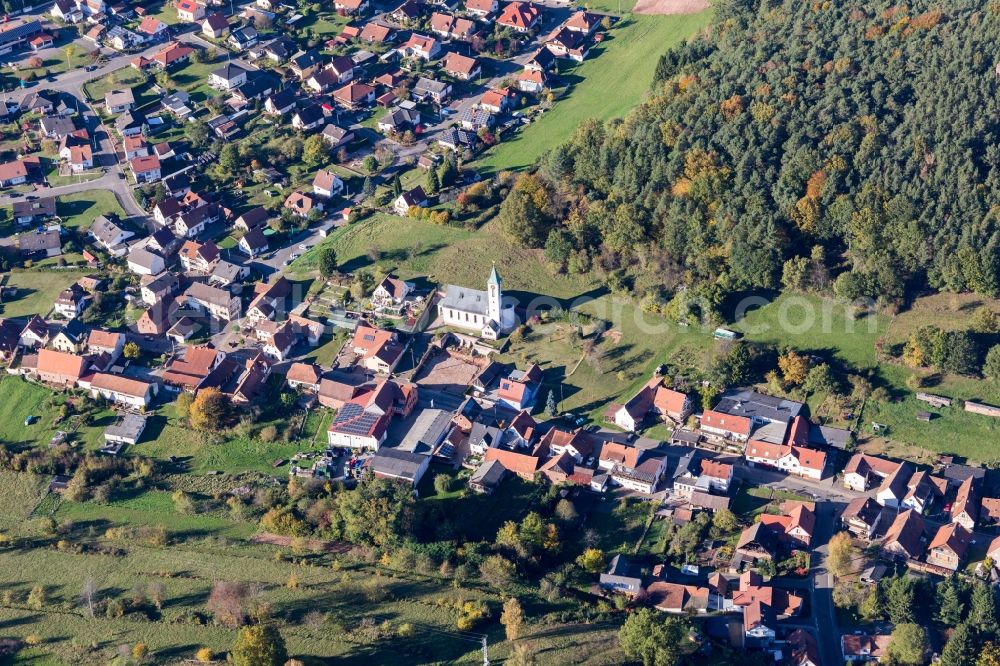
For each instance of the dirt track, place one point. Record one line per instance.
(665, 7)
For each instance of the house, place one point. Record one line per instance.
(39, 244)
(133, 393)
(399, 465)
(71, 302)
(109, 235)
(135, 146)
(499, 100)
(158, 287)
(153, 28)
(71, 338)
(215, 25)
(253, 243)
(487, 477)
(989, 511)
(904, 536)
(448, 26)
(422, 47)
(520, 16)
(461, 67)
(190, 11)
(13, 173)
(375, 33)
(532, 81)
(225, 274)
(227, 77)
(861, 517)
(391, 291)
(281, 102)
(457, 140)
(66, 11)
(60, 368)
(342, 68)
(677, 598)
(362, 421)
(788, 458)
(583, 22)
(376, 349)
(795, 525)
(400, 119)
(56, 127)
(948, 547)
(171, 55)
(146, 168)
(519, 389)
(337, 137)
(198, 257)
(34, 334)
(577, 445)
(116, 101)
(482, 8)
(632, 468)
(252, 219)
(436, 91)
(409, 199)
(31, 210)
(965, 508)
(653, 398)
(126, 430)
(279, 345)
(864, 647)
(565, 43)
(269, 299)
(158, 318)
(304, 376)
(327, 184)
(196, 367)
(243, 38)
(308, 118)
(474, 119)
(304, 63)
(301, 204)
(350, 7)
(355, 96)
(923, 489)
(619, 577)
(216, 302)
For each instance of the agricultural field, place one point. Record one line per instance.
(37, 290)
(613, 78)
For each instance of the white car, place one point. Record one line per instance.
(303, 246)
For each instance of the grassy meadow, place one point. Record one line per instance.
(612, 79)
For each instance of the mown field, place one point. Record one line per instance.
(37, 290)
(612, 79)
(80, 209)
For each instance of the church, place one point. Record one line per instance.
(481, 311)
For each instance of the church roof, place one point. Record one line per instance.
(464, 299)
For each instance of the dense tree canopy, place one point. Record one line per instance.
(856, 140)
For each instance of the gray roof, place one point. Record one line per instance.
(837, 438)
(129, 428)
(427, 431)
(45, 206)
(488, 474)
(394, 462)
(429, 86)
(753, 405)
(464, 299)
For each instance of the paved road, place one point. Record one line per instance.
(824, 618)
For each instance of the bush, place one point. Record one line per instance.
(268, 433)
(442, 483)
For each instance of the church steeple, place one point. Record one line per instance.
(494, 294)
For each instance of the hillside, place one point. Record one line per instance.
(799, 144)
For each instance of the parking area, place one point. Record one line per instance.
(446, 372)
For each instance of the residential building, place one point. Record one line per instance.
(904, 536)
(948, 547)
(133, 393)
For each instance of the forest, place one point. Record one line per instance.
(839, 146)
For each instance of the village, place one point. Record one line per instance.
(181, 287)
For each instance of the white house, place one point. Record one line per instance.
(133, 393)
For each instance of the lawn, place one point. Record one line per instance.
(22, 399)
(619, 522)
(126, 77)
(80, 208)
(37, 290)
(610, 82)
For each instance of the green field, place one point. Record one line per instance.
(612, 79)
(80, 209)
(126, 77)
(37, 290)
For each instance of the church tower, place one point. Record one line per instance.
(494, 296)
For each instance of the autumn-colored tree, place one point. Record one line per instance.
(794, 367)
(840, 558)
(261, 645)
(210, 410)
(512, 618)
